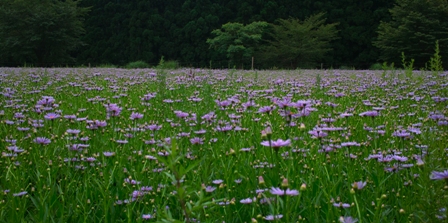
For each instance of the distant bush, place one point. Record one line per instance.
(137, 64)
(170, 64)
(376, 66)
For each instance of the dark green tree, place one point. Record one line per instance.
(42, 33)
(297, 43)
(238, 41)
(415, 27)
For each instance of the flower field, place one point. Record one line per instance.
(197, 145)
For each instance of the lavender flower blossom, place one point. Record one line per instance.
(42, 141)
(443, 175)
(277, 144)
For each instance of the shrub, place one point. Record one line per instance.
(137, 64)
(376, 66)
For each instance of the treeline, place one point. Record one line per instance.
(118, 32)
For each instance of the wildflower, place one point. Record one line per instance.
(280, 192)
(42, 141)
(347, 220)
(113, 110)
(73, 131)
(20, 194)
(196, 140)
(147, 216)
(260, 180)
(219, 181)
(369, 114)
(318, 133)
(246, 201)
(266, 109)
(341, 205)
(435, 175)
(210, 189)
(273, 217)
(277, 144)
(107, 154)
(135, 115)
(51, 116)
(359, 185)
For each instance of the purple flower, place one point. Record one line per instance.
(20, 194)
(153, 127)
(318, 133)
(266, 109)
(73, 131)
(51, 116)
(277, 144)
(402, 134)
(113, 110)
(100, 123)
(359, 185)
(147, 216)
(280, 192)
(347, 220)
(246, 201)
(369, 114)
(42, 141)
(341, 205)
(219, 181)
(196, 140)
(210, 189)
(443, 175)
(107, 154)
(273, 217)
(135, 115)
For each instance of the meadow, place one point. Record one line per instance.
(198, 145)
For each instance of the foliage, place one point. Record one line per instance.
(415, 26)
(171, 64)
(105, 145)
(41, 33)
(408, 66)
(435, 62)
(137, 64)
(376, 66)
(238, 41)
(299, 43)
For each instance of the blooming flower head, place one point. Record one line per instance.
(136, 115)
(113, 110)
(347, 219)
(51, 116)
(280, 192)
(147, 216)
(196, 140)
(277, 144)
(369, 114)
(42, 140)
(359, 185)
(273, 217)
(443, 175)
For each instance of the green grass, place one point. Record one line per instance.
(175, 179)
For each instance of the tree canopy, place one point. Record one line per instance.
(238, 41)
(296, 43)
(42, 33)
(415, 27)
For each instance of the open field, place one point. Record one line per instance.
(113, 145)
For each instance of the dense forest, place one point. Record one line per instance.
(118, 32)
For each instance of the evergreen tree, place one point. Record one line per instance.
(299, 43)
(415, 27)
(42, 33)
